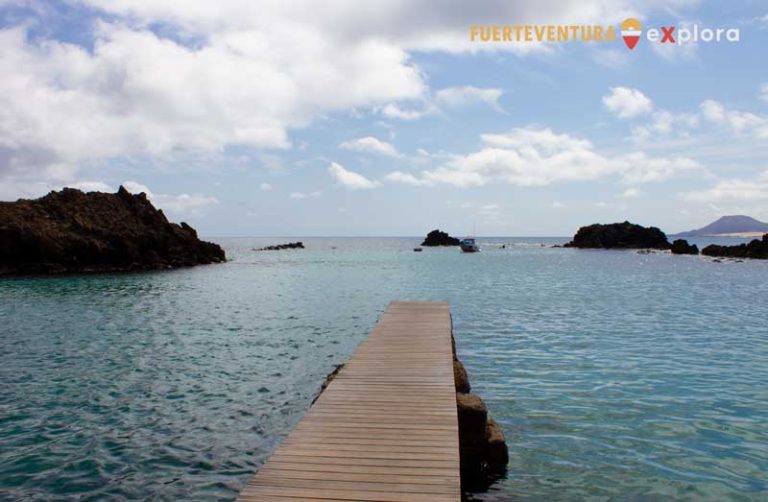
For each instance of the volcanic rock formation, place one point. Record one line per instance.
(75, 232)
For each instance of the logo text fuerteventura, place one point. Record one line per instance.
(630, 31)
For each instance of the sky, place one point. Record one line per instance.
(349, 118)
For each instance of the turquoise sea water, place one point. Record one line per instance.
(615, 375)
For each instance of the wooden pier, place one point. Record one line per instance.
(385, 429)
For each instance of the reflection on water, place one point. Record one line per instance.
(610, 372)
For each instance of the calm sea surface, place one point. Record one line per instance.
(615, 375)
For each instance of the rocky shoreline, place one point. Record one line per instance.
(483, 453)
(628, 235)
(74, 232)
(755, 249)
(281, 247)
(681, 246)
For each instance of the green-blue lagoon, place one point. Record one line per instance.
(614, 374)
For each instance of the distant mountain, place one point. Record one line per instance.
(737, 224)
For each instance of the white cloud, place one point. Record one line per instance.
(139, 94)
(265, 187)
(180, 204)
(538, 137)
(626, 102)
(454, 97)
(395, 111)
(370, 144)
(350, 179)
(536, 156)
(738, 122)
(444, 99)
(13, 189)
(665, 124)
(416, 26)
(764, 91)
(557, 205)
(631, 193)
(231, 72)
(406, 179)
(183, 203)
(91, 186)
(136, 188)
(525, 157)
(637, 167)
(732, 190)
(302, 195)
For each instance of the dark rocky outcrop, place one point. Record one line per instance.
(280, 247)
(438, 238)
(73, 232)
(681, 246)
(758, 249)
(483, 453)
(619, 236)
(460, 377)
(497, 454)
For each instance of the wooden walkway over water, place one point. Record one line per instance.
(385, 429)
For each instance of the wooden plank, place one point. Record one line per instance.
(254, 493)
(384, 485)
(385, 429)
(437, 464)
(367, 477)
(364, 469)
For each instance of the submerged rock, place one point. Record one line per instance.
(280, 247)
(473, 415)
(681, 246)
(438, 238)
(460, 377)
(483, 453)
(757, 248)
(619, 236)
(72, 231)
(497, 452)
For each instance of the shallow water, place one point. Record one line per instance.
(613, 374)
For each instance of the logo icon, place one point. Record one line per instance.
(631, 29)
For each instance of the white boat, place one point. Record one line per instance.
(468, 245)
